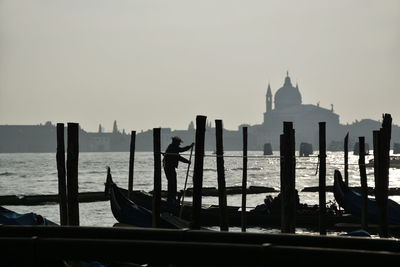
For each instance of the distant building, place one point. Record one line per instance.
(28, 138)
(43, 138)
(285, 105)
(99, 142)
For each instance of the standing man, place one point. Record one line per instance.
(170, 162)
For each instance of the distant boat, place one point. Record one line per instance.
(305, 149)
(356, 149)
(394, 162)
(351, 202)
(396, 148)
(335, 146)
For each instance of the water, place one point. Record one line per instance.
(36, 173)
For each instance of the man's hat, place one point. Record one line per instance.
(177, 139)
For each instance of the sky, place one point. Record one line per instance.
(153, 64)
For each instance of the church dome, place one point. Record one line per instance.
(287, 96)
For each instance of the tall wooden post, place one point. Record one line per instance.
(157, 177)
(62, 182)
(221, 176)
(244, 180)
(288, 191)
(364, 184)
(346, 159)
(377, 179)
(198, 170)
(382, 162)
(131, 163)
(386, 134)
(72, 173)
(322, 179)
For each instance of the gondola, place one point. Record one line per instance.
(209, 213)
(351, 202)
(137, 211)
(9, 217)
(128, 212)
(145, 199)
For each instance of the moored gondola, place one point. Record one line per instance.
(9, 217)
(264, 215)
(351, 202)
(128, 212)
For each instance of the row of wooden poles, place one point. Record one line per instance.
(381, 140)
(68, 177)
(381, 144)
(287, 177)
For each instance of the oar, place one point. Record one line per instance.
(184, 189)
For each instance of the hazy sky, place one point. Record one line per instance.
(150, 63)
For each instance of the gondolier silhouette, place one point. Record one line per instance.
(170, 163)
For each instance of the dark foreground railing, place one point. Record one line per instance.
(23, 245)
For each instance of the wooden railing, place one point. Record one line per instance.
(188, 247)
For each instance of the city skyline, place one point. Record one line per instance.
(155, 64)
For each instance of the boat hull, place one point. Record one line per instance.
(351, 202)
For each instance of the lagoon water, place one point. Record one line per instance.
(36, 173)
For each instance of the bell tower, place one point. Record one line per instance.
(269, 100)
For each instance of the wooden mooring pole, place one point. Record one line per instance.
(72, 173)
(244, 180)
(346, 159)
(288, 190)
(364, 184)
(377, 167)
(322, 178)
(157, 177)
(221, 176)
(381, 170)
(131, 163)
(198, 170)
(62, 181)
